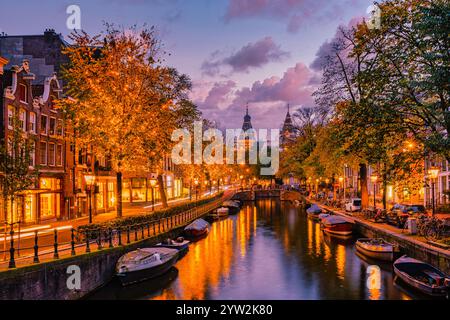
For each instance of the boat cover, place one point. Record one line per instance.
(198, 224)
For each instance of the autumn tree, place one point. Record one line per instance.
(123, 101)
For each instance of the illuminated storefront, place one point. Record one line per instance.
(50, 199)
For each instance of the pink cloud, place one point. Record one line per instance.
(252, 55)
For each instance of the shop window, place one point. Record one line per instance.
(126, 190)
(43, 153)
(100, 196)
(111, 195)
(139, 189)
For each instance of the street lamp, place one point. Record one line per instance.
(433, 172)
(153, 184)
(196, 189)
(374, 179)
(90, 182)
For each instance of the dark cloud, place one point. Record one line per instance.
(252, 55)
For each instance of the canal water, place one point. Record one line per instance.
(270, 250)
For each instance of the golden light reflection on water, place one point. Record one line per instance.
(211, 262)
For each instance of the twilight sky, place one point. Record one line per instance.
(260, 51)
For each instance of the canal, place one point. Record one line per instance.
(270, 250)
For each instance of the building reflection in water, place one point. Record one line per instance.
(272, 251)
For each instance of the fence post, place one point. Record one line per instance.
(128, 234)
(135, 233)
(55, 245)
(119, 232)
(72, 242)
(154, 228)
(142, 231)
(87, 235)
(148, 230)
(110, 238)
(36, 248)
(99, 244)
(12, 263)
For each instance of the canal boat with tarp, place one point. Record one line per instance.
(422, 276)
(313, 212)
(336, 225)
(143, 264)
(197, 229)
(232, 206)
(181, 244)
(219, 213)
(378, 249)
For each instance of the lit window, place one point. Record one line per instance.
(44, 120)
(32, 122)
(23, 119)
(43, 153)
(10, 117)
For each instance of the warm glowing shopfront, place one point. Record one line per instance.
(137, 190)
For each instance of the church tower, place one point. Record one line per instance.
(288, 132)
(247, 121)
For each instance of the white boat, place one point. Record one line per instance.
(232, 206)
(145, 263)
(219, 213)
(197, 229)
(376, 248)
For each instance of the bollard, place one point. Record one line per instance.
(88, 249)
(72, 242)
(99, 243)
(128, 235)
(55, 245)
(12, 263)
(36, 248)
(110, 238)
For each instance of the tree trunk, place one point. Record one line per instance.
(363, 182)
(119, 194)
(162, 192)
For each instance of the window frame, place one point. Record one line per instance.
(46, 124)
(41, 152)
(51, 155)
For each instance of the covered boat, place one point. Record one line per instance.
(145, 263)
(232, 206)
(179, 243)
(376, 248)
(197, 229)
(337, 225)
(314, 209)
(422, 276)
(219, 213)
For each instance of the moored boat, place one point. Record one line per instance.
(179, 243)
(197, 229)
(422, 276)
(314, 209)
(143, 264)
(232, 206)
(219, 213)
(337, 225)
(376, 248)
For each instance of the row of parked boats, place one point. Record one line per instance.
(151, 262)
(415, 273)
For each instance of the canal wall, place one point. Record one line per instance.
(48, 281)
(414, 248)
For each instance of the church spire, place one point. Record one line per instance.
(247, 120)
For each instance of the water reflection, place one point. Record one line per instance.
(270, 250)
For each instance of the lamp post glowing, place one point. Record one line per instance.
(196, 189)
(90, 182)
(153, 184)
(433, 173)
(374, 179)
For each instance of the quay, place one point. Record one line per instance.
(96, 262)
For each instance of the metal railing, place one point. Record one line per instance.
(82, 242)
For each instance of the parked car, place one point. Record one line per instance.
(399, 213)
(353, 204)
